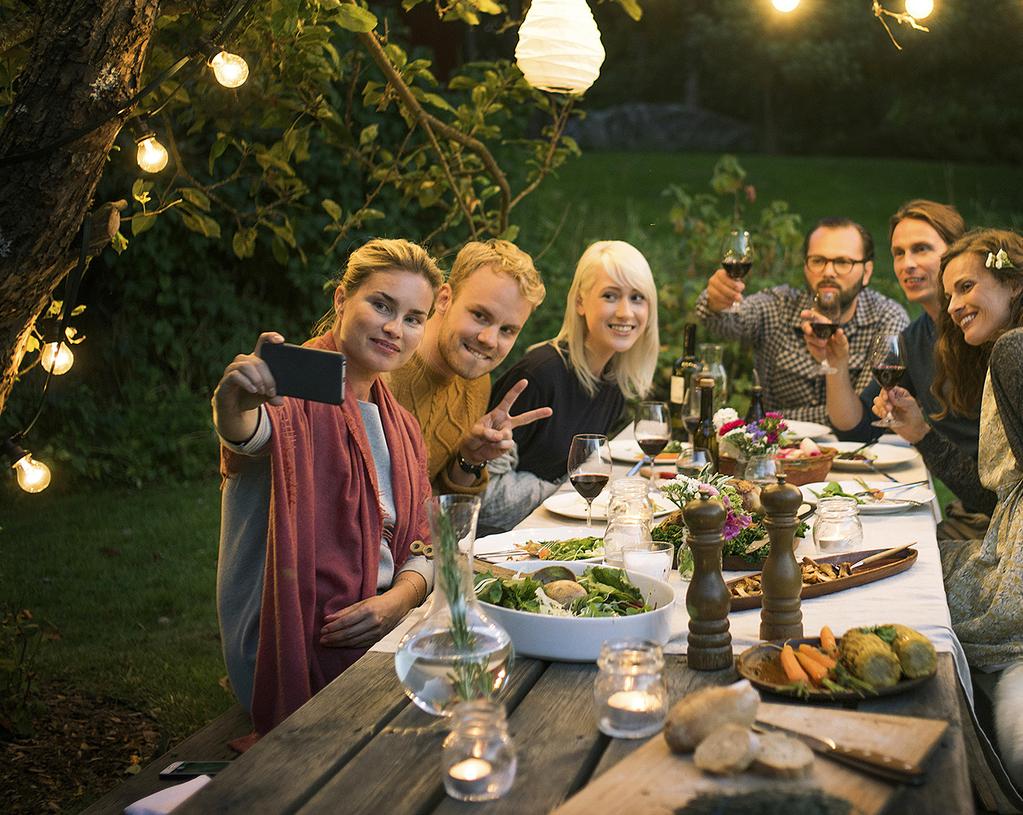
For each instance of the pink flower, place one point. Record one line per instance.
(772, 414)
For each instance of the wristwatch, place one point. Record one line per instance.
(468, 467)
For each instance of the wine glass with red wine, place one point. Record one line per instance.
(737, 254)
(887, 359)
(827, 308)
(589, 468)
(652, 431)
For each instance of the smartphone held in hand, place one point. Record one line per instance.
(306, 373)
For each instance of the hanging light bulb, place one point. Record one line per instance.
(559, 46)
(785, 6)
(151, 156)
(919, 9)
(56, 358)
(230, 69)
(33, 476)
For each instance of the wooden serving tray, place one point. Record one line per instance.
(898, 562)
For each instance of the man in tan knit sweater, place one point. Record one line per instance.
(492, 290)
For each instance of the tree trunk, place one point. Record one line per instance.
(86, 59)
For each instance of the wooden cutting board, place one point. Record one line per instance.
(654, 781)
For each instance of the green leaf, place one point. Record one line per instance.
(355, 18)
(280, 251)
(211, 227)
(119, 242)
(31, 344)
(140, 223)
(333, 208)
(438, 101)
(77, 310)
(490, 7)
(217, 149)
(284, 232)
(196, 197)
(368, 135)
(510, 234)
(244, 243)
(140, 190)
(632, 8)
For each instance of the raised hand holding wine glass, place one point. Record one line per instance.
(887, 358)
(827, 311)
(589, 468)
(653, 431)
(737, 254)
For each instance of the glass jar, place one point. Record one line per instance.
(712, 357)
(629, 693)
(625, 532)
(630, 496)
(455, 653)
(837, 526)
(762, 470)
(478, 757)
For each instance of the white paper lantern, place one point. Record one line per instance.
(559, 46)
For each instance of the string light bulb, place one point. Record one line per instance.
(230, 69)
(151, 156)
(785, 6)
(919, 9)
(33, 476)
(559, 47)
(56, 358)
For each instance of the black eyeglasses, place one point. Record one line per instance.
(818, 263)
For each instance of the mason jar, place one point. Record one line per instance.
(629, 693)
(478, 757)
(837, 526)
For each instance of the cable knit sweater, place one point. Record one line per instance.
(446, 411)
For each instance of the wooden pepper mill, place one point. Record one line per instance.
(707, 600)
(780, 614)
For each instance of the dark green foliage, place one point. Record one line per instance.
(21, 637)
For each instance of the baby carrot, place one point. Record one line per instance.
(790, 665)
(828, 644)
(814, 669)
(817, 656)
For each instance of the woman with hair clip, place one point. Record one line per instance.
(321, 502)
(605, 353)
(979, 363)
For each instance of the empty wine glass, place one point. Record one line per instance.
(887, 358)
(652, 431)
(589, 468)
(827, 306)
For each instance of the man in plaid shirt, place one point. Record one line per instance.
(839, 254)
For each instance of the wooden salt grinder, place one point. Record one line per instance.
(707, 600)
(780, 614)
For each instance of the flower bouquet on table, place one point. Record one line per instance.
(741, 441)
(746, 542)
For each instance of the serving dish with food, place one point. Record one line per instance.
(855, 457)
(873, 497)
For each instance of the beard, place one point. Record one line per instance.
(847, 295)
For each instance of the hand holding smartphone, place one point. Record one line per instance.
(306, 373)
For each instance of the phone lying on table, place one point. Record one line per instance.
(190, 769)
(306, 373)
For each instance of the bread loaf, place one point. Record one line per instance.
(699, 714)
(729, 749)
(783, 757)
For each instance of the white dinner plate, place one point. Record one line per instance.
(806, 430)
(572, 505)
(921, 494)
(880, 455)
(628, 451)
(507, 541)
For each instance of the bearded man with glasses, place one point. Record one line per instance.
(838, 254)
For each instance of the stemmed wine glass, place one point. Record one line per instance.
(737, 254)
(826, 304)
(589, 468)
(887, 358)
(652, 431)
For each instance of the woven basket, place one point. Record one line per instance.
(798, 471)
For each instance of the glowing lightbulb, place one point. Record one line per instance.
(56, 358)
(33, 476)
(229, 69)
(152, 156)
(919, 9)
(785, 6)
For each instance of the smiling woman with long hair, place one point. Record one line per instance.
(605, 353)
(982, 279)
(322, 502)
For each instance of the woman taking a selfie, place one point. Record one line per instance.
(321, 502)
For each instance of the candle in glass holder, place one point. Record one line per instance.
(470, 777)
(478, 756)
(629, 691)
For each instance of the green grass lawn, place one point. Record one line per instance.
(128, 576)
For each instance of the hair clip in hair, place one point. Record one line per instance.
(999, 261)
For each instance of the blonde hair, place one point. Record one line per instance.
(632, 370)
(506, 258)
(381, 255)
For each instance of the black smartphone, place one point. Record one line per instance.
(306, 373)
(190, 769)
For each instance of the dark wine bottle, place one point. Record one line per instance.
(756, 410)
(706, 437)
(682, 384)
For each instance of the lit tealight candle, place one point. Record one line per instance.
(632, 714)
(470, 776)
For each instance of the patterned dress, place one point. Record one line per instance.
(984, 578)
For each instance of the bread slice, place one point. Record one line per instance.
(729, 749)
(783, 757)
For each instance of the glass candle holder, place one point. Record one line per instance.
(478, 757)
(630, 496)
(629, 692)
(653, 559)
(837, 527)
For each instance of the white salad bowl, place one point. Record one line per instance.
(578, 639)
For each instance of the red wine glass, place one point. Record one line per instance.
(827, 307)
(589, 468)
(887, 360)
(653, 431)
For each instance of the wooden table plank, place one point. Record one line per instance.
(399, 770)
(283, 770)
(557, 741)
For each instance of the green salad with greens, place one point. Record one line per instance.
(570, 549)
(600, 591)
